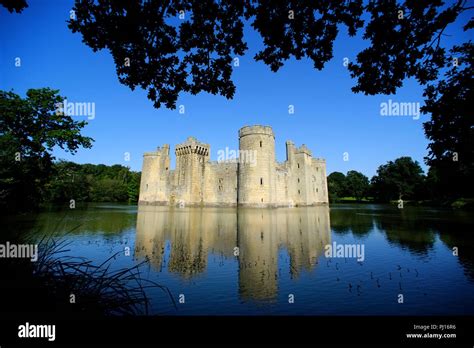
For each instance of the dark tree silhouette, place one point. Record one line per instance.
(188, 46)
(169, 47)
(399, 179)
(357, 184)
(405, 41)
(14, 5)
(336, 186)
(451, 128)
(157, 51)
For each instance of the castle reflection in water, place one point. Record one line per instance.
(191, 235)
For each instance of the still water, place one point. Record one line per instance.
(228, 261)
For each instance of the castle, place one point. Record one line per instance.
(253, 179)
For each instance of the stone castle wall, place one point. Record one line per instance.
(254, 179)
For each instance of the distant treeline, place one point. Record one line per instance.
(401, 179)
(92, 183)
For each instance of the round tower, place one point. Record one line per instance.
(153, 184)
(256, 166)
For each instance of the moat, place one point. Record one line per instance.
(251, 261)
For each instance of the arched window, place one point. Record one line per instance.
(260, 143)
(261, 181)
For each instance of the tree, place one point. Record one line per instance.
(170, 47)
(336, 186)
(67, 182)
(29, 130)
(451, 128)
(14, 5)
(109, 190)
(357, 184)
(92, 183)
(400, 179)
(134, 187)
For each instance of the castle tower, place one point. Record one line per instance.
(256, 177)
(191, 157)
(320, 185)
(302, 175)
(155, 170)
(290, 151)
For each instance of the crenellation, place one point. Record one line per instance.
(303, 149)
(254, 181)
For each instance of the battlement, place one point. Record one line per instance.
(304, 149)
(192, 145)
(151, 154)
(258, 129)
(164, 150)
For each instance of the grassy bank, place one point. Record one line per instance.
(461, 203)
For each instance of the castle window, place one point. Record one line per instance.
(262, 200)
(260, 143)
(299, 192)
(166, 168)
(261, 181)
(147, 186)
(298, 165)
(316, 190)
(317, 169)
(298, 179)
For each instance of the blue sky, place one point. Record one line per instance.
(328, 117)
